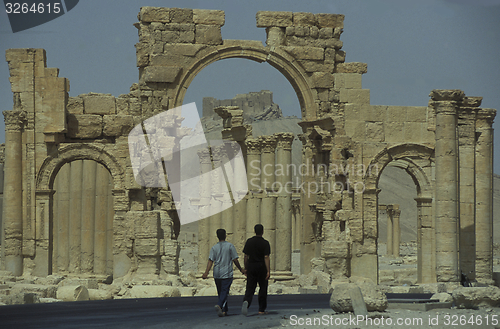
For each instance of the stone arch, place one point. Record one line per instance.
(277, 58)
(412, 158)
(404, 156)
(68, 153)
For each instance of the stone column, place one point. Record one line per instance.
(75, 208)
(268, 203)
(88, 215)
(61, 222)
(101, 214)
(12, 195)
(389, 230)
(307, 243)
(466, 150)
(204, 209)
(284, 204)
(426, 242)
(447, 189)
(484, 195)
(239, 210)
(396, 231)
(254, 188)
(217, 179)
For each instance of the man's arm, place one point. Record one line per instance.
(245, 261)
(268, 266)
(237, 263)
(209, 266)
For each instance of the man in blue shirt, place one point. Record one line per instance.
(222, 255)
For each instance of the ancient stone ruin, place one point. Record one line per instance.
(73, 206)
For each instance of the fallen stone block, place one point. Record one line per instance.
(72, 293)
(474, 297)
(140, 291)
(98, 294)
(40, 290)
(340, 300)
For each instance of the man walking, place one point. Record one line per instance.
(257, 266)
(222, 255)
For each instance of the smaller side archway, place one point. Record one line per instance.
(418, 161)
(44, 194)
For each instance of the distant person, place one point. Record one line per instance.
(222, 255)
(258, 269)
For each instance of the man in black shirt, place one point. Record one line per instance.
(258, 269)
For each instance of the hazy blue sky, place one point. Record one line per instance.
(411, 47)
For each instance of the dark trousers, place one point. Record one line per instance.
(223, 286)
(256, 273)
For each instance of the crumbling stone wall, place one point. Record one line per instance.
(338, 228)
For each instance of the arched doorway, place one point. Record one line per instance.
(418, 161)
(245, 99)
(82, 227)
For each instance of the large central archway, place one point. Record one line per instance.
(277, 58)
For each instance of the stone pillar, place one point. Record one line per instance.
(239, 210)
(268, 203)
(88, 215)
(101, 214)
(396, 231)
(61, 228)
(284, 204)
(308, 243)
(426, 242)
(389, 230)
(217, 181)
(447, 188)
(466, 150)
(75, 208)
(254, 187)
(12, 202)
(204, 209)
(484, 195)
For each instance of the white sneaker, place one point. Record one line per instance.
(244, 308)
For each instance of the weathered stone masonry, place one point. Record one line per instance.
(446, 147)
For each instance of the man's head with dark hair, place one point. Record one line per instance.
(259, 229)
(221, 234)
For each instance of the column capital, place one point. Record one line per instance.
(14, 120)
(487, 115)
(447, 95)
(284, 141)
(268, 144)
(204, 156)
(253, 146)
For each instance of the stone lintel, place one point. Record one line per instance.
(274, 18)
(354, 67)
(472, 101)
